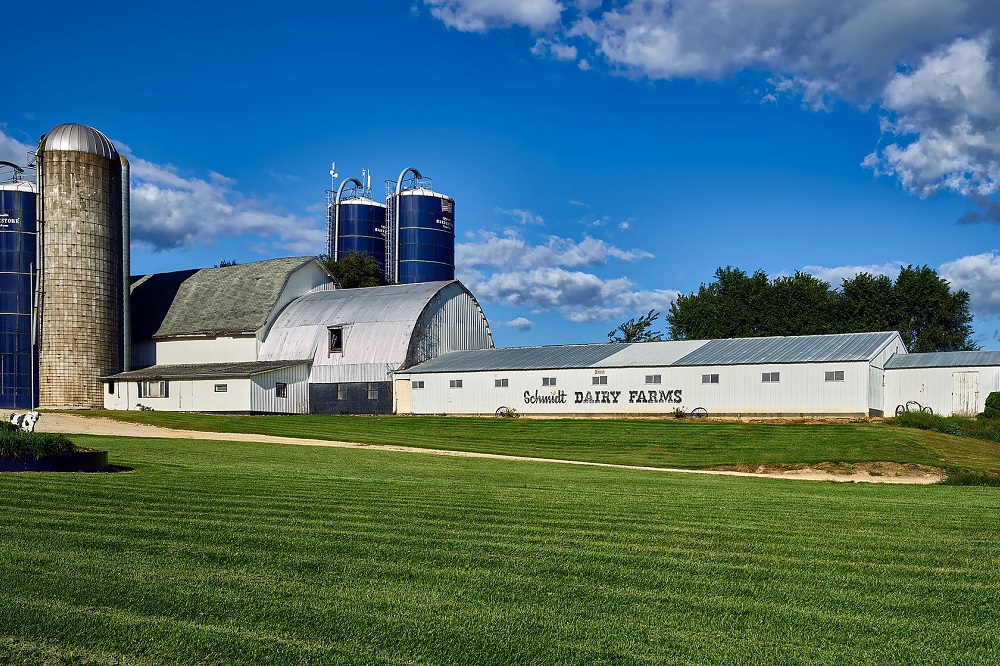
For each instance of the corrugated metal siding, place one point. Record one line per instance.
(799, 349)
(263, 394)
(143, 354)
(802, 389)
(960, 359)
(358, 372)
(299, 283)
(934, 387)
(452, 321)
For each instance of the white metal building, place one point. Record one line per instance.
(814, 375)
(946, 382)
(356, 339)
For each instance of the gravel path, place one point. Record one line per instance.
(87, 425)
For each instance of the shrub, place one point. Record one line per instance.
(15, 443)
(988, 429)
(968, 477)
(992, 410)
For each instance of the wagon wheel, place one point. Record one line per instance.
(927, 410)
(699, 411)
(502, 411)
(919, 407)
(900, 409)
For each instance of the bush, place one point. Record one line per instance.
(992, 410)
(988, 429)
(968, 477)
(15, 443)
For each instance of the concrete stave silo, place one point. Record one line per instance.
(81, 331)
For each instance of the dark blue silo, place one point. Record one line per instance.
(18, 261)
(426, 242)
(362, 229)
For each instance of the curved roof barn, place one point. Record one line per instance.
(378, 329)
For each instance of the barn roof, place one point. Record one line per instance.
(209, 301)
(204, 370)
(956, 359)
(843, 347)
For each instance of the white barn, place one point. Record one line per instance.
(777, 376)
(946, 382)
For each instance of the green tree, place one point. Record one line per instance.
(919, 304)
(637, 329)
(225, 264)
(357, 269)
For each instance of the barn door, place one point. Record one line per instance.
(965, 393)
(403, 396)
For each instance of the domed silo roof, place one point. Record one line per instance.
(79, 138)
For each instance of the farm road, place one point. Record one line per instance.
(86, 425)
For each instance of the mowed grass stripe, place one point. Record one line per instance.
(251, 553)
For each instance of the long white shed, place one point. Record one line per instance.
(788, 376)
(946, 382)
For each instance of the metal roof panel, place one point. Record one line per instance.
(956, 359)
(790, 349)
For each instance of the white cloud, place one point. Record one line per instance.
(12, 150)
(482, 15)
(626, 225)
(521, 324)
(584, 65)
(574, 202)
(931, 66)
(576, 295)
(522, 216)
(511, 251)
(836, 275)
(556, 49)
(979, 275)
(172, 211)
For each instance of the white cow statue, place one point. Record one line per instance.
(25, 422)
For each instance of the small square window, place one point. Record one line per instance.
(417, 384)
(599, 380)
(281, 390)
(771, 377)
(454, 383)
(337, 340)
(500, 383)
(153, 389)
(341, 392)
(548, 381)
(221, 388)
(835, 376)
(373, 391)
(653, 379)
(710, 379)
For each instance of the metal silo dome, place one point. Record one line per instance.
(78, 138)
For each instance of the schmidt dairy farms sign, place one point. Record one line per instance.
(672, 397)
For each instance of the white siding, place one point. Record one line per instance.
(802, 389)
(179, 351)
(184, 395)
(876, 374)
(264, 397)
(300, 282)
(934, 387)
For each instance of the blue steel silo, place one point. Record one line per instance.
(423, 238)
(357, 224)
(18, 267)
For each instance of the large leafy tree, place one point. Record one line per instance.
(356, 269)
(637, 329)
(919, 304)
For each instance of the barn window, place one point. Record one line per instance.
(221, 388)
(599, 380)
(835, 376)
(500, 383)
(548, 381)
(111, 388)
(770, 377)
(373, 391)
(280, 390)
(153, 389)
(341, 392)
(418, 385)
(653, 379)
(710, 379)
(337, 340)
(454, 383)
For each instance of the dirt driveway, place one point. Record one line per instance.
(857, 472)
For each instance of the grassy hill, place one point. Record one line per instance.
(663, 443)
(268, 554)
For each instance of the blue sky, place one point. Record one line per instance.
(603, 156)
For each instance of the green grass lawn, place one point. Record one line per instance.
(663, 443)
(235, 553)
